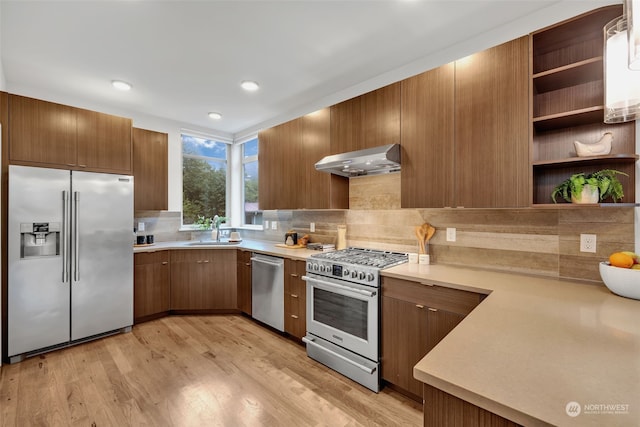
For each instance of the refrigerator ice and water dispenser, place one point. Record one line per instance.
(39, 239)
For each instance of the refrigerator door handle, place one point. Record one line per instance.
(76, 237)
(65, 236)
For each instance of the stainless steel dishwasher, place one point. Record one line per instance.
(267, 290)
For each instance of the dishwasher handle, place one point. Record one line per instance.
(264, 261)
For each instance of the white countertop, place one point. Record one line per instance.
(536, 344)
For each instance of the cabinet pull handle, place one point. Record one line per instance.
(206, 261)
(82, 166)
(420, 306)
(294, 275)
(294, 296)
(294, 316)
(433, 309)
(199, 261)
(165, 262)
(248, 264)
(429, 284)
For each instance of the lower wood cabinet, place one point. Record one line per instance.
(244, 281)
(415, 317)
(443, 409)
(151, 285)
(295, 298)
(202, 279)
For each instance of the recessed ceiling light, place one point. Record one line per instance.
(215, 116)
(120, 85)
(249, 85)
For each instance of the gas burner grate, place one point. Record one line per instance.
(360, 256)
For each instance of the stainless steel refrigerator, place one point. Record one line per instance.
(70, 257)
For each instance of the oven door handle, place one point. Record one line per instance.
(339, 356)
(341, 287)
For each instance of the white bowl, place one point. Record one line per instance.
(621, 281)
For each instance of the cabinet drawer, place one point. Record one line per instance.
(434, 296)
(142, 258)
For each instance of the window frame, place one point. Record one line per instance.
(226, 161)
(245, 160)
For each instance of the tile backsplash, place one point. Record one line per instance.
(531, 241)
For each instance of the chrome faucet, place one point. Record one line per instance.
(216, 224)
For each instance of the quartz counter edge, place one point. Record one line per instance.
(534, 345)
(259, 246)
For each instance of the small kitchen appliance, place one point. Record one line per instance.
(343, 310)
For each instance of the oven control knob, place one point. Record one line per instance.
(361, 275)
(326, 268)
(354, 274)
(345, 272)
(316, 267)
(370, 277)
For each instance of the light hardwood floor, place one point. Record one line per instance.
(191, 371)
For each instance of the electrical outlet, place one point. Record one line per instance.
(588, 243)
(141, 226)
(266, 224)
(451, 234)
(274, 225)
(312, 227)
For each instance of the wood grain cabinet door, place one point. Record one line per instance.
(404, 342)
(380, 116)
(281, 173)
(104, 142)
(295, 322)
(492, 127)
(150, 170)
(152, 292)
(244, 281)
(428, 139)
(41, 132)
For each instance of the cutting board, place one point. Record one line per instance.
(282, 245)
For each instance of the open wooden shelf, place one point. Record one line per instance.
(571, 118)
(609, 158)
(569, 75)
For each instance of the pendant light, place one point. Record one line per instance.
(632, 12)
(622, 85)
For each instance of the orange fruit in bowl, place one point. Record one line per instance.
(619, 259)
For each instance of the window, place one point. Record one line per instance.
(204, 178)
(252, 216)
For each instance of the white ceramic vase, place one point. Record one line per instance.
(590, 194)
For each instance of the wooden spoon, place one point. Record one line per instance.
(420, 234)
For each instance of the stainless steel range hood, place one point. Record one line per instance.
(371, 161)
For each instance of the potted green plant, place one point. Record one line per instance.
(203, 227)
(591, 187)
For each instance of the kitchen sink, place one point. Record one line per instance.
(213, 243)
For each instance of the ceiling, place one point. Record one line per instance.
(187, 58)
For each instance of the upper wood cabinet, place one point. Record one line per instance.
(369, 120)
(104, 142)
(492, 127)
(43, 133)
(287, 176)
(150, 170)
(568, 104)
(427, 139)
(281, 171)
(465, 136)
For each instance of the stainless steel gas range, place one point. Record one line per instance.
(343, 307)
